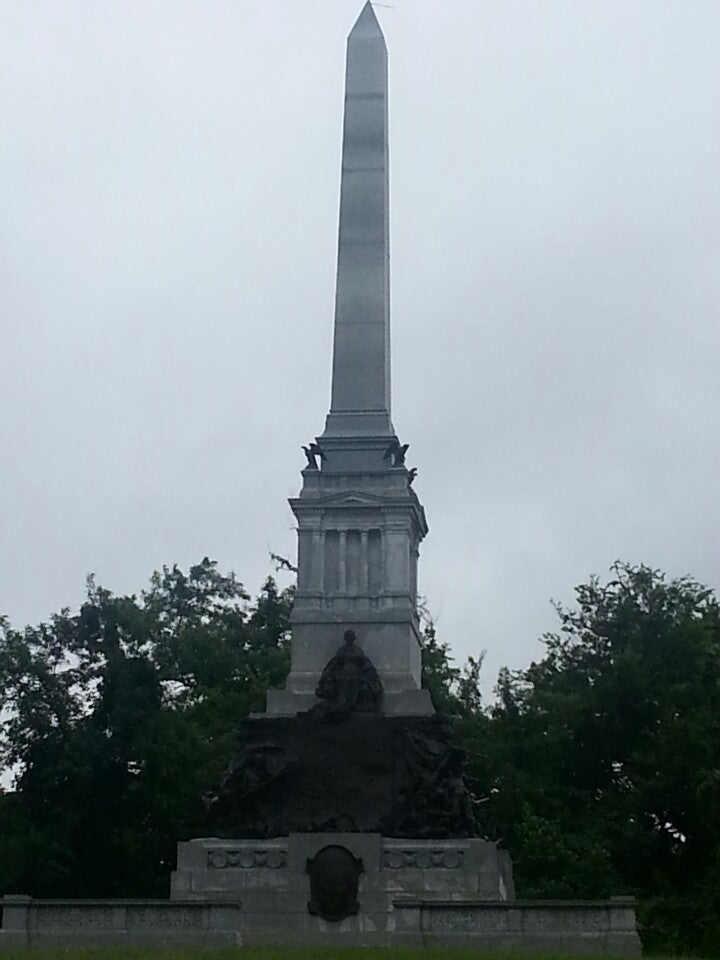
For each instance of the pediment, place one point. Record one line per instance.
(352, 498)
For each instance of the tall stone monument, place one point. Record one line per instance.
(352, 746)
(344, 815)
(360, 523)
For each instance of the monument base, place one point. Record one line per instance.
(451, 893)
(273, 880)
(271, 876)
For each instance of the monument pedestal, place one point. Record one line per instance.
(267, 875)
(270, 879)
(420, 893)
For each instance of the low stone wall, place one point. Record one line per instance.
(80, 923)
(598, 928)
(606, 928)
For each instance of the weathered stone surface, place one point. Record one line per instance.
(445, 869)
(525, 928)
(442, 893)
(86, 923)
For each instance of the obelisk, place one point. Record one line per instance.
(347, 794)
(361, 357)
(360, 522)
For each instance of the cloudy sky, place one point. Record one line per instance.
(169, 177)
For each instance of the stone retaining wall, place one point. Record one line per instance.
(606, 928)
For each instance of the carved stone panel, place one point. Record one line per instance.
(423, 859)
(247, 859)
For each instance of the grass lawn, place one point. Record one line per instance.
(252, 953)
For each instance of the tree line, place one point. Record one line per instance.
(598, 766)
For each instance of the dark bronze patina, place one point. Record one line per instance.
(334, 874)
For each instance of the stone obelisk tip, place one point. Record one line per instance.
(366, 25)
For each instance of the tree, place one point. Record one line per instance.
(455, 691)
(603, 759)
(117, 719)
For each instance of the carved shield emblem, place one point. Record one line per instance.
(334, 874)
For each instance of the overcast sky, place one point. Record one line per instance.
(169, 178)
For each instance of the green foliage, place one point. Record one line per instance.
(454, 691)
(603, 762)
(116, 721)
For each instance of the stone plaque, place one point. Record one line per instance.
(334, 874)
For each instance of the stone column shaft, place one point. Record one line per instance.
(319, 542)
(342, 562)
(364, 564)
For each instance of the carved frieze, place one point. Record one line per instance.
(423, 859)
(247, 859)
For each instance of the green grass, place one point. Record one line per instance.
(277, 953)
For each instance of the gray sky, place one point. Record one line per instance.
(168, 213)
